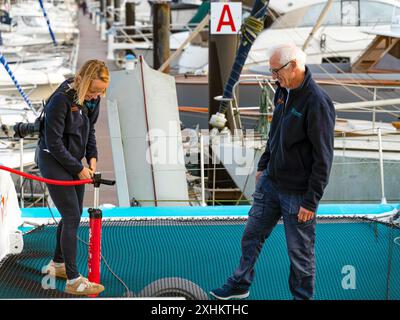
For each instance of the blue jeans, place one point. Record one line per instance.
(269, 206)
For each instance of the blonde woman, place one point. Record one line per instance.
(68, 136)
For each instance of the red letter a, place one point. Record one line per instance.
(222, 22)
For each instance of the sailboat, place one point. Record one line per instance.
(372, 75)
(28, 20)
(39, 78)
(340, 38)
(12, 153)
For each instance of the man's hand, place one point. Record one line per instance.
(305, 215)
(93, 164)
(258, 175)
(86, 173)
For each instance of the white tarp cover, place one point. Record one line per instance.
(10, 213)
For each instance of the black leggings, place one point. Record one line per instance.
(69, 202)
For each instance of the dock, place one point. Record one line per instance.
(91, 47)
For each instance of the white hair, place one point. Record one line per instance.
(288, 52)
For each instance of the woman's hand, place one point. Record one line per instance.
(86, 173)
(93, 164)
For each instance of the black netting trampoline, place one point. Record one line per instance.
(189, 257)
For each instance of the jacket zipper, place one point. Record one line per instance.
(280, 128)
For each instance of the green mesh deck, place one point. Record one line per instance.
(205, 252)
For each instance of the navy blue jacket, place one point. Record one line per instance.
(69, 133)
(299, 151)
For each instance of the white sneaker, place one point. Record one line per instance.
(82, 286)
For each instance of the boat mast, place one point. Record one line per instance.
(318, 24)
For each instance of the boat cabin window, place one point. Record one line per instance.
(341, 13)
(375, 13)
(30, 21)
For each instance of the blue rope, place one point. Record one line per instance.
(10, 73)
(249, 34)
(48, 23)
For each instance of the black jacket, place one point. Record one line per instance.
(299, 151)
(69, 133)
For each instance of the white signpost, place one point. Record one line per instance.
(226, 18)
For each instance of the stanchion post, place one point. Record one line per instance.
(203, 192)
(21, 166)
(382, 176)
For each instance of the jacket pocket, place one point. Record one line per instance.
(258, 204)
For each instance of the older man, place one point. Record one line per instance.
(291, 176)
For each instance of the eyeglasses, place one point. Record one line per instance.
(276, 71)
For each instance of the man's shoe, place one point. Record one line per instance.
(83, 287)
(226, 292)
(56, 270)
